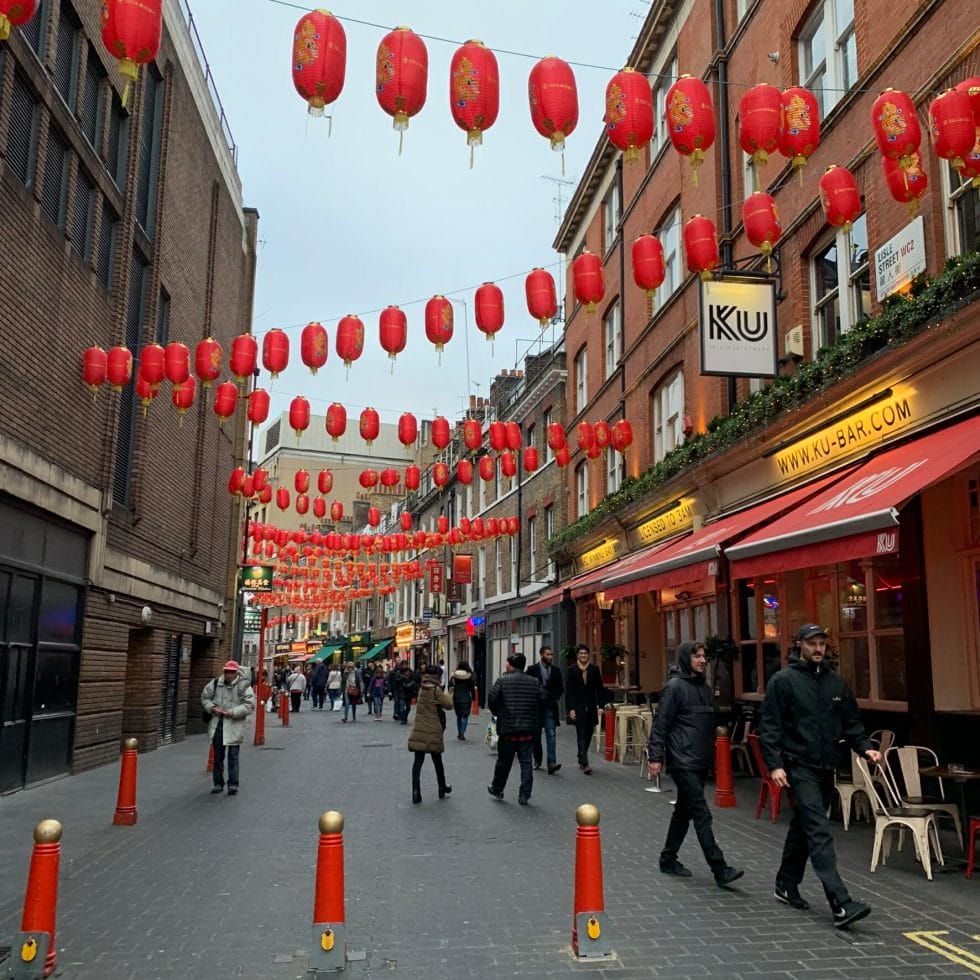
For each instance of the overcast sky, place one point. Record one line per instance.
(348, 226)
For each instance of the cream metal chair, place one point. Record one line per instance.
(852, 794)
(625, 731)
(740, 745)
(921, 824)
(908, 760)
(884, 739)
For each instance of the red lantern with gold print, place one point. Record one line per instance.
(405, 520)
(302, 503)
(336, 511)
(236, 479)
(474, 91)
(497, 434)
(145, 392)
(177, 363)
(700, 246)
(508, 465)
(563, 456)
(131, 33)
(439, 321)
(299, 415)
(393, 332)
(472, 434)
(258, 406)
(207, 361)
(690, 120)
(906, 184)
(152, 360)
(761, 219)
(585, 435)
(512, 432)
(389, 477)
(951, 126)
(13, 13)
(800, 135)
(972, 88)
(648, 263)
(588, 280)
(760, 122)
(314, 346)
(464, 472)
(319, 508)
(489, 305)
(350, 339)
(301, 481)
(553, 99)
(319, 59)
(244, 356)
(542, 301)
(488, 468)
(440, 474)
(556, 436)
(530, 459)
(225, 401)
(839, 197)
(183, 397)
(622, 436)
(970, 171)
(412, 477)
(119, 367)
(408, 429)
(373, 516)
(94, 361)
(401, 77)
(369, 425)
(602, 433)
(368, 479)
(441, 433)
(336, 420)
(324, 481)
(275, 351)
(896, 127)
(593, 452)
(629, 112)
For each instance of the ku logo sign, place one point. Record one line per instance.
(733, 323)
(887, 543)
(738, 327)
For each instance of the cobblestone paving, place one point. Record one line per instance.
(215, 887)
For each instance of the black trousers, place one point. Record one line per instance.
(507, 748)
(417, 769)
(297, 699)
(691, 807)
(809, 833)
(218, 775)
(584, 730)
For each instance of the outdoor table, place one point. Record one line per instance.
(961, 777)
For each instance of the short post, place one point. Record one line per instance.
(609, 720)
(125, 814)
(724, 782)
(329, 945)
(262, 691)
(210, 766)
(476, 700)
(34, 953)
(589, 938)
(284, 707)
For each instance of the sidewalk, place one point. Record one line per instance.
(216, 887)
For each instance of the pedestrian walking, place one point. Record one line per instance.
(405, 688)
(334, 681)
(462, 685)
(353, 690)
(584, 693)
(376, 690)
(515, 699)
(428, 729)
(318, 685)
(296, 682)
(682, 741)
(550, 678)
(807, 710)
(229, 700)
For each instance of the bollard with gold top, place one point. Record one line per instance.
(329, 946)
(590, 939)
(34, 954)
(125, 814)
(724, 779)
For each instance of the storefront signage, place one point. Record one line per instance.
(253, 620)
(599, 556)
(435, 576)
(850, 434)
(422, 635)
(404, 635)
(297, 646)
(361, 639)
(738, 327)
(255, 578)
(900, 259)
(462, 569)
(678, 518)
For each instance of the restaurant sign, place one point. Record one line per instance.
(255, 578)
(678, 518)
(404, 635)
(599, 556)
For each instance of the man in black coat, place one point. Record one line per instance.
(807, 709)
(683, 736)
(550, 678)
(584, 692)
(515, 699)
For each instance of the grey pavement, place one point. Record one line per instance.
(212, 886)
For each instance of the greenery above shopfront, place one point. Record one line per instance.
(902, 317)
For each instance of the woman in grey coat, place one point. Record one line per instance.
(426, 735)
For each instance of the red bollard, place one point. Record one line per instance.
(125, 814)
(329, 946)
(588, 914)
(40, 902)
(210, 766)
(724, 783)
(476, 700)
(284, 708)
(610, 723)
(263, 694)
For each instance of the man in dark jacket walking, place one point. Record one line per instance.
(318, 685)
(683, 736)
(550, 678)
(584, 692)
(807, 709)
(515, 699)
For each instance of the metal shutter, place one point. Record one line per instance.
(83, 211)
(92, 101)
(54, 188)
(107, 246)
(64, 55)
(33, 30)
(22, 135)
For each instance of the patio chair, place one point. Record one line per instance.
(908, 760)
(884, 739)
(740, 745)
(769, 787)
(851, 793)
(921, 824)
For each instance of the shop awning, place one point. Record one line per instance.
(634, 566)
(325, 652)
(857, 515)
(695, 556)
(547, 599)
(590, 582)
(377, 650)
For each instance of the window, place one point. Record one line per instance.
(54, 191)
(91, 108)
(582, 489)
(667, 77)
(549, 417)
(549, 533)
(581, 379)
(613, 331)
(532, 547)
(611, 215)
(83, 216)
(66, 55)
(25, 116)
(163, 318)
(962, 215)
(668, 413)
(34, 31)
(107, 246)
(614, 470)
(670, 238)
(498, 554)
(741, 6)
(833, 313)
(114, 154)
(148, 150)
(828, 53)
(531, 437)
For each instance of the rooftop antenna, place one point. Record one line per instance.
(559, 199)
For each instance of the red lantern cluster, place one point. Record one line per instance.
(319, 59)
(896, 129)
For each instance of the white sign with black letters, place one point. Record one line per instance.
(900, 259)
(738, 328)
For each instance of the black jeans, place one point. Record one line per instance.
(691, 807)
(218, 776)
(319, 694)
(584, 730)
(297, 698)
(507, 748)
(436, 762)
(809, 833)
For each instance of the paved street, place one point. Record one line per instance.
(212, 886)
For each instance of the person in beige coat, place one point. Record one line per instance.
(229, 700)
(427, 734)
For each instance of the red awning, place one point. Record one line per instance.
(590, 582)
(547, 599)
(622, 575)
(857, 516)
(695, 556)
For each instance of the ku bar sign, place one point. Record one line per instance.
(738, 327)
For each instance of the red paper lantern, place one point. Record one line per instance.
(760, 122)
(299, 415)
(260, 478)
(629, 112)
(488, 468)
(131, 33)
(472, 434)
(761, 219)
(336, 420)
(593, 452)
(441, 433)
(405, 520)
(401, 77)
(512, 432)
(152, 359)
(585, 435)
(622, 436)
(324, 481)
(336, 511)
(369, 425)
(275, 351)
(319, 59)
(225, 401)
(389, 477)
(439, 321)
(373, 516)
(700, 246)
(258, 406)
(530, 459)
(408, 429)
(119, 367)
(248, 486)
(563, 456)
(476, 527)
(94, 361)
(183, 397)
(542, 301)
(302, 503)
(464, 472)
(800, 135)
(690, 120)
(497, 433)
(905, 183)
(492, 527)
(465, 526)
(368, 479)
(896, 127)
(244, 356)
(13, 13)
(587, 277)
(440, 474)
(265, 495)
(236, 479)
(489, 305)
(350, 339)
(951, 126)
(314, 346)
(553, 99)
(513, 524)
(556, 436)
(301, 481)
(207, 361)
(474, 91)
(972, 88)
(412, 477)
(319, 508)
(508, 465)
(970, 171)
(176, 363)
(602, 433)
(145, 392)
(393, 329)
(839, 197)
(648, 263)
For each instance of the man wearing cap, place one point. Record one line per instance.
(229, 700)
(807, 710)
(516, 700)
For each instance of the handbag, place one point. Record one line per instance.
(354, 694)
(205, 714)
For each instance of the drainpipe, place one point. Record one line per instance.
(622, 286)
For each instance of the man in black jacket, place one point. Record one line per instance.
(807, 709)
(550, 678)
(515, 699)
(683, 735)
(584, 692)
